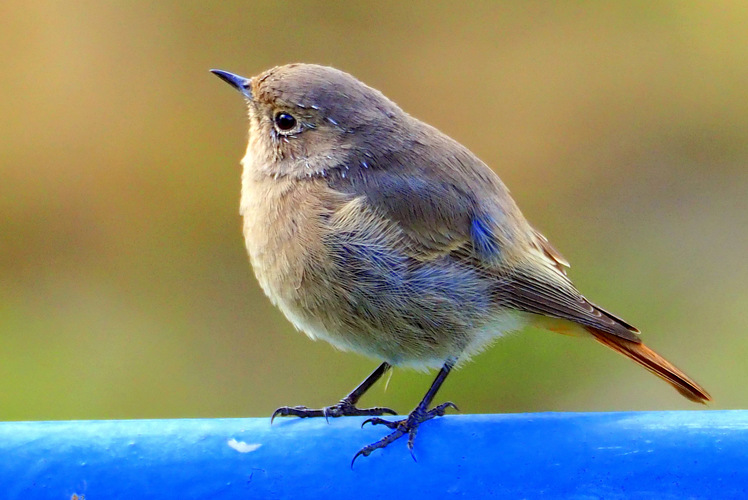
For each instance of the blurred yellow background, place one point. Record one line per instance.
(125, 291)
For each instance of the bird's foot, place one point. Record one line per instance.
(345, 408)
(407, 426)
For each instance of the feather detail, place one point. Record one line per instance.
(653, 362)
(549, 252)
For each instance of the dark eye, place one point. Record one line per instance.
(284, 122)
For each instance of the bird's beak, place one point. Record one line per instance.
(240, 83)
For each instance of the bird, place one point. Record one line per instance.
(379, 234)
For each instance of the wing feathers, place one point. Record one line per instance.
(552, 294)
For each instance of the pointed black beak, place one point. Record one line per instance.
(238, 82)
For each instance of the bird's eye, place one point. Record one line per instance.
(284, 122)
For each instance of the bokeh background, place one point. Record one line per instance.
(125, 291)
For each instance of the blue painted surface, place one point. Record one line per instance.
(699, 454)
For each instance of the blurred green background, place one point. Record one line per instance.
(125, 291)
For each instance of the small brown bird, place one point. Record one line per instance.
(379, 234)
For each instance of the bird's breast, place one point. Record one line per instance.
(284, 231)
(280, 233)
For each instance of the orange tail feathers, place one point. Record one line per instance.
(654, 363)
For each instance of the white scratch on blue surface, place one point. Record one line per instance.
(241, 446)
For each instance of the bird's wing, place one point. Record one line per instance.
(548, 251)
(465, 213)
(540, 285)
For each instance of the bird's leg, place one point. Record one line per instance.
(346, 406)
(409, 425)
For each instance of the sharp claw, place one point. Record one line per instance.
(379, 421)
(277, 412)
(362, 451)
(442, 408)
(410, 424)
(411, 440)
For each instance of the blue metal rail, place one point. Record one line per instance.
(698, 454)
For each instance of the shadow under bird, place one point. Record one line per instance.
(379, 234)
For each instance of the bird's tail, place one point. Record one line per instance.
(654, 363)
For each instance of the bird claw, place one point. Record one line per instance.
(380, 421)
(407, 425)
(342, 409)
(442, 408)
